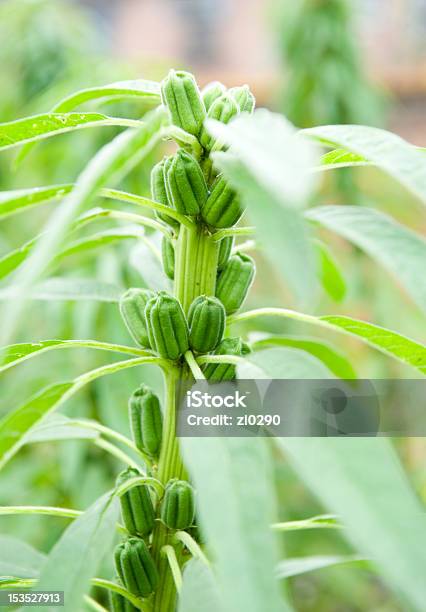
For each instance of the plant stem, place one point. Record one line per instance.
(195, 274)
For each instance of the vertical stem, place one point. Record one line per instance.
(196, 260)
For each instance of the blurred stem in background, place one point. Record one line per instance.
(325, 82)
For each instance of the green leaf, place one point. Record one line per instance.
(100, 240)
(282, 363)
(362, 481)
(323, 521)
(111, 163)
(199, 590)
(335, 361)
(269, 165)
(145, 258)
(340, 158)
(396, 248)
(302, 565)
(59, 427)
(401, 160)
(77, 555)
(15, 354)
(385, 340)
(332, 279)
(234, 482)
(389, 342)
(123, 89)
(20, 200)
(20, 421)
(39, 127)
(17, 558)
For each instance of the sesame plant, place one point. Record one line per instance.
(191, 523)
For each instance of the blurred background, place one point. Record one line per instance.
(316, 61)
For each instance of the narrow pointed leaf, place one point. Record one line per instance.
(302, 565)
(77, 555)
(13, 202)
(67, 289)
(17, 558)
(387, 526)
(20, 421)
(39, 127)
(401, 160)
(331, 276)
(398, 249)
(333, 359)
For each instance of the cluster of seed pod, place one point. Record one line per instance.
(134, 562)
(157, 321)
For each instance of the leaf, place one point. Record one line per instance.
(76, 556)
(39, 127)
(59, 427)
(362, 481)
(385, 340)
(64, 288)
(111, 163)
(269, 165)
(302, 565)
(15, 354)
(282, 363)
(396, 248)
(401, 160)
(20, 421)
(17, 558)
(123, 89)
(235, 489)
(332, 279)
(323, 521)
(340, 158)
(20, 200)
(335, 361)
(199, 590)
(100, 240)
(389, 342)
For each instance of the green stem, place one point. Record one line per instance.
(45, 510)
(170, 554)
(234, 231)
(192, 546)
(195, 274)
(193, 366)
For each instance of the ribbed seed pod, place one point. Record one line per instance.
(225, 250)
(168, 257)
(211, 92)
(120, 603)
(178, 505)
(137, 509)
(186, 185)
(132, 309)
(218, 372)
(222, 109)
(206, 319)
(167, 326)
(234, 281)
(159, 191)
(146, 420)
(223, 208)
(244, 98)
(180, 94)
(135, 567)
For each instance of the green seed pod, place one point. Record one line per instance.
(244, 98)
(234, 281)
(167, 326)
(186, 185)
(178, 505)
(168, 257)
(206, 319)
(119, 603)
(146, 420)
(225, 250)
(222, 208)
(180, 94)
(222, 109)
(132, 309)
(218, 372)
(159, 191)
(137, 509)
(136, 567)
(211, 92)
